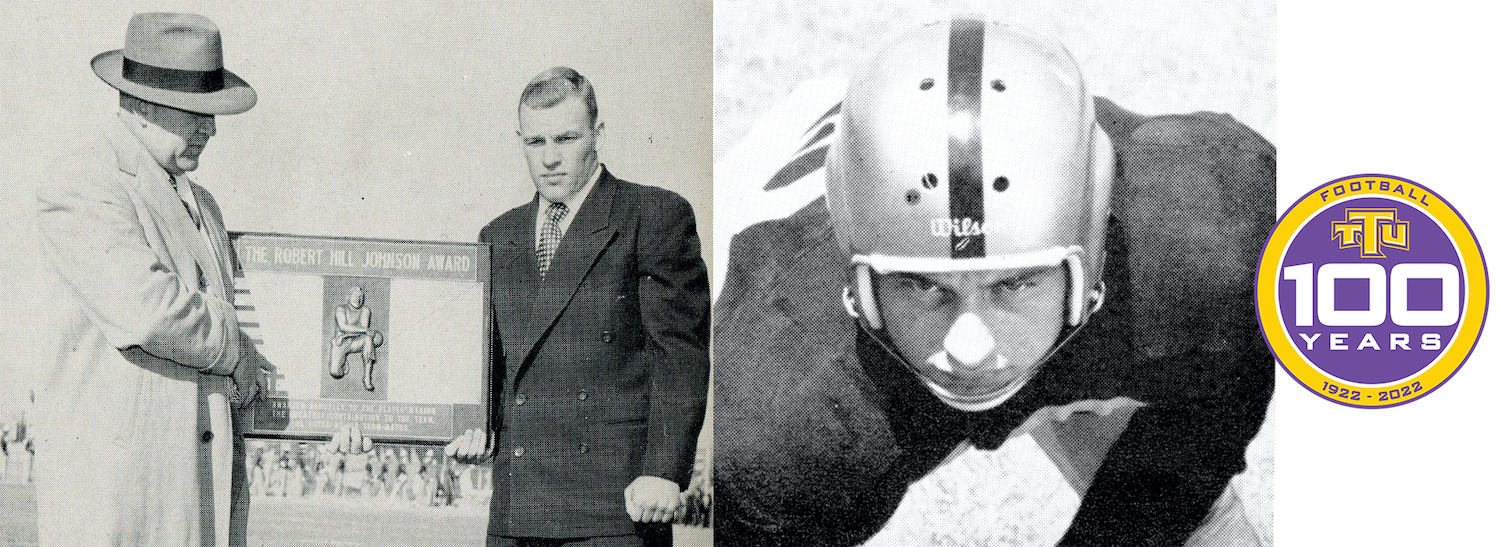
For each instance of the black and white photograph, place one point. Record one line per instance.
(989, 273)
(556, 397)
(753, 273)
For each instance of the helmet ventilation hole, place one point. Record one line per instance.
(997, 84)
(929, 181)
(912, 197)
(926, 84)
(1001, 184)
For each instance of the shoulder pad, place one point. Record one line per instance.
(1196, 195)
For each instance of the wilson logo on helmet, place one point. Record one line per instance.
(961, 227)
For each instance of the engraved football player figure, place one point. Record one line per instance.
(354, 335)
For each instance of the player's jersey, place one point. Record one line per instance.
(819, 432)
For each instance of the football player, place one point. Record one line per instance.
(999, 254)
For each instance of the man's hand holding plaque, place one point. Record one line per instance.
(474, 446)
(348, 440)
(249, 381)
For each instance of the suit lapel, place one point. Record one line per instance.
(218, 240)
(591, 232)
(515, 282)
(518, 242)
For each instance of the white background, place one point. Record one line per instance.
(1401, 88)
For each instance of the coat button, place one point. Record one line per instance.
(583, 449)
(518, 451)
(607, 337)
(583, 394)
(520, 399)
(208, 436)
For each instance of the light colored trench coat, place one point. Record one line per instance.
(137, 442)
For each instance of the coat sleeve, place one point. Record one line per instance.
(1196, 194)
(673, 288)
(97, 246)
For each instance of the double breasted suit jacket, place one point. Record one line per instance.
(136, 443)
(600, 369)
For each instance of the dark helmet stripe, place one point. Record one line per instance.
(965, 162)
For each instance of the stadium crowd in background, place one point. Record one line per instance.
(397, 474)
(413, 475)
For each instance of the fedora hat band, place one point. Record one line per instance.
(191, 81)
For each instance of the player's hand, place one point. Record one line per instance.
(474, 446)
(652, 499)
(348, 440)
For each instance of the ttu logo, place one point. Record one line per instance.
(1385, 310)
(1369, 230)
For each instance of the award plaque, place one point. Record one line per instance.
(389, 336)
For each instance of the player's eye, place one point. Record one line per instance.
(916, 284)
(534, 141)
(920, 288)
(1015, 285)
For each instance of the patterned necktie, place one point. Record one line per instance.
(551, 236)
(185, 204)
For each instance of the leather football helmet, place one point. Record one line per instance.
(970, 145)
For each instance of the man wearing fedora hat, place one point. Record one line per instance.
(149, 373)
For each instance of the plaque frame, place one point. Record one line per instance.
(258, 253)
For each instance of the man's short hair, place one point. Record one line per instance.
(555, 85)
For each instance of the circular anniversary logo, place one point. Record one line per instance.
(1372, 291)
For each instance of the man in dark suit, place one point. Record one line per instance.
(600, 350)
